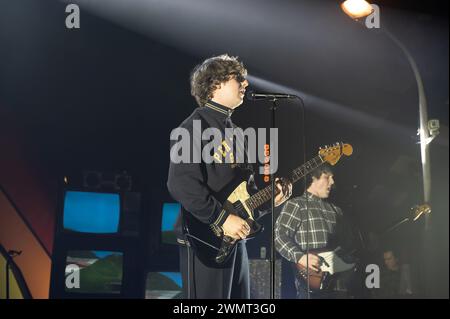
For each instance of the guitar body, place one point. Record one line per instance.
(320, 280)
(331, 267)
(212, 248)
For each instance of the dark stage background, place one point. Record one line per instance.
(106, 96)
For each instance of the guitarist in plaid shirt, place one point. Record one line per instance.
(327, 228)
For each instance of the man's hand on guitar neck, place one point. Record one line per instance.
(313, 262)
(284, 187)
(236, 227)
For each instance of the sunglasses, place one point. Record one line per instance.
(239, 78)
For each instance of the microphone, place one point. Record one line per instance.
(252, 96)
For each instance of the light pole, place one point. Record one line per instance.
(357, 9)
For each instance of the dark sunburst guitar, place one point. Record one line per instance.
(214, 248)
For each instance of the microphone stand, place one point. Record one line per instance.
(272, 177)
(273, 108)
(273, 98)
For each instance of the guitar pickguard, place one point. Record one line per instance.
(240, 194)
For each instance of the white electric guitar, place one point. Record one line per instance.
(330, 264)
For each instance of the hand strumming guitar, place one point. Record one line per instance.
(313, 262)
(235, 227)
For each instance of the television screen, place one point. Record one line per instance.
(163, 285)
(92, 271)
(169, 217)
(90, 212)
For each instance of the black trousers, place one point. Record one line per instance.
(203, 282)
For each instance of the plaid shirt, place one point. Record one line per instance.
(325, 229)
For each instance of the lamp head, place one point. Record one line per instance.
(356, 9)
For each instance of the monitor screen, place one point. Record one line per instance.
(169, 217)
(93, 271)
(90, 212)
(163, 285)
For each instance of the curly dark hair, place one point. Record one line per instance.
(325, 168)
(207, 76)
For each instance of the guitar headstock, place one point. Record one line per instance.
(332, 154)
(418, 210)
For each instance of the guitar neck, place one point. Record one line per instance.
(265, 194)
